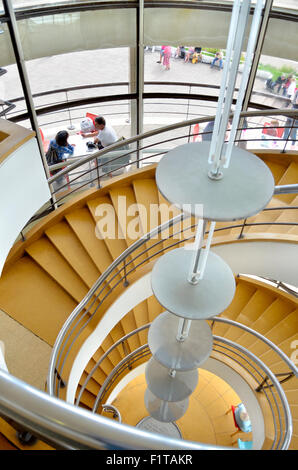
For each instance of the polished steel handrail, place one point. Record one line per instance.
(77, 103)
(113, 267)
(161, 130)
(65, 426)
(99, 286)
(115, 153)
(143, 351)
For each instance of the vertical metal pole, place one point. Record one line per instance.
(71, 126)
(192, 279)
(240, 14)
(183, 329)
(20, 62)
(257, 53)
(140, 74)
(245, 74)
(18, 51)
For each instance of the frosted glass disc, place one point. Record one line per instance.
(179, 355)
(168, 388)
(164, 411)
(210, 297)
(246, 188)
(152, 425)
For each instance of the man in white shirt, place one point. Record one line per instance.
(106, 135)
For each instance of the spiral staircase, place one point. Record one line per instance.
(51, 271)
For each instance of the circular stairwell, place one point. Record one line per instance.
(52, 270)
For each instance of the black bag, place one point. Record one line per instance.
(52, 156)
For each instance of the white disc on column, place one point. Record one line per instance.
(245, 189)
(210, 297)
(164, 411)
(152, 425)
(167, 387)
(179, 355)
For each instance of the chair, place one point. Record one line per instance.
(91, 116)
(45, 143)
(233, 409)
(196, 131)
(244, 445)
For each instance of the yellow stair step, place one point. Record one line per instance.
(154, 308)
(265, 217)
(83, 225)
(142, 318)
(256, 305)
(103, 212)
(65, 240)
(277, 169)
(50, 259)
(114, 356)
(279, 332)
(129, 324)
(290, 176)
(244, 291)
(288, 346)
(98, 374)
(44, 304)
(273, 316)
(167, 212)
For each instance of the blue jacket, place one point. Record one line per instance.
(61, 150)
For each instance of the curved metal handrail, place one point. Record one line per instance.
(68, 427)
(70, 324)
(134, 246)
(161, 130)
(142, 351)
(77, 103)
(115, 154)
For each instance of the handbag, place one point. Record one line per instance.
(52, 156)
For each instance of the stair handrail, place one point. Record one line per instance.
(138, 243)
(227, 321)
(134, 246)
(65, 426)
(130, 140)
(287, 412)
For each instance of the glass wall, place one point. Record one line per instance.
(90, 55)
(10, 83)
(275, 86)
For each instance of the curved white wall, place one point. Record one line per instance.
(23, 190)
(271, 259)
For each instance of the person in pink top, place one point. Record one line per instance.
(166, 57)
(161, 54)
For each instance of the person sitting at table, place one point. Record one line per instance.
(87, 127)
(61, 146)
(106, 134)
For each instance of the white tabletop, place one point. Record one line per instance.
(81, 148)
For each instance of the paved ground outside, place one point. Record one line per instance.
(111, 66)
